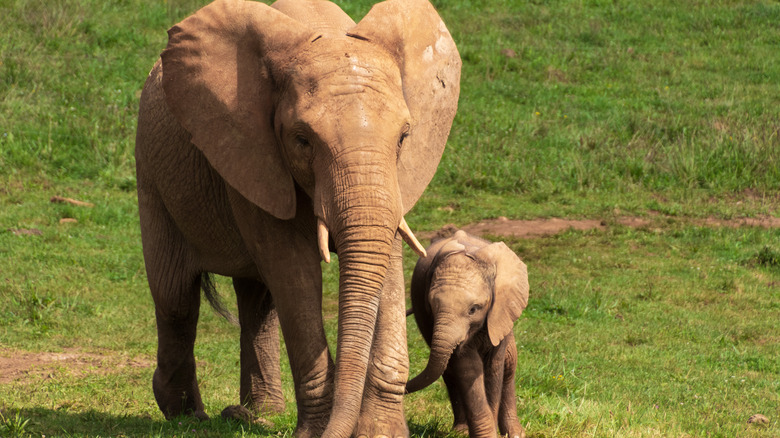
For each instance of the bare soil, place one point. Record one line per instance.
(504, 227)
(18, 366)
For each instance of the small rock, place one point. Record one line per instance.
(68, 220)
(509, 53)
(758, 420)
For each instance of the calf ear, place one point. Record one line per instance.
(511, 289)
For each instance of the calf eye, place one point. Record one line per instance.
(473, 310)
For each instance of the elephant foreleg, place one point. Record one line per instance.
(459, 424)
(494, 375)
(469, 368)
(261, 377)
(382, 412)
(298, 301)
(508, 423)
(289, 263)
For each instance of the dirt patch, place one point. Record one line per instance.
(505, 227)
(762, 222)
(18, 366)
(517, 228)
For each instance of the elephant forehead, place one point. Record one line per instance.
(459, 278)
(353, 105)
(452, 276)
(346, 66)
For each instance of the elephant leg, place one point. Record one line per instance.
(469, 368)
(261, 376)
(174, 383)
(175, 288)
(298, 301)
(459, 424)
(289, 264)
(493, 363)
(382, 412)
(508, 423)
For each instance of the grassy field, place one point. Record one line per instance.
(590, 109)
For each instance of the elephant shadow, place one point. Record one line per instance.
(55, 422)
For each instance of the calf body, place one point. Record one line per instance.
(466, 294)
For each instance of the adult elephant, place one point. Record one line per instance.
(268, 136)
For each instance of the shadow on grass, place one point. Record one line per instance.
(433, 428)
(60, 422)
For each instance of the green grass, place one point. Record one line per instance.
(665, 110)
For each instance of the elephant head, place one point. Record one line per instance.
(466, 285)
(353, 116)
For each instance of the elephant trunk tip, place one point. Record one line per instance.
(442, 349)
(416, 384)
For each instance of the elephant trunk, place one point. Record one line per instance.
(443, 344)
(363, 235)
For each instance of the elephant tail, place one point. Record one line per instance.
(214, 299)
(409, 311)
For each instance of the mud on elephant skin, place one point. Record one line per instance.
(466, 295)
(268, 137)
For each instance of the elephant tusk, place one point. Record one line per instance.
(409, 238)
(322, 240)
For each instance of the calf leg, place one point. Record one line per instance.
(456, 400)
(468, 367)
(508, 422)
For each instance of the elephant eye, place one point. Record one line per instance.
(302, 141)
(401, 140)
(404, 134)
(473, 310)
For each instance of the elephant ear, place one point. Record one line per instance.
(511, 289)
(414, 34)
(219, 73)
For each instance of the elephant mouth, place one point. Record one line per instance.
(403, 229)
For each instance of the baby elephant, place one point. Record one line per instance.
(466, 295)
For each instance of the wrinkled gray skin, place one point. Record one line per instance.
(267, 137)
(466, 295)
